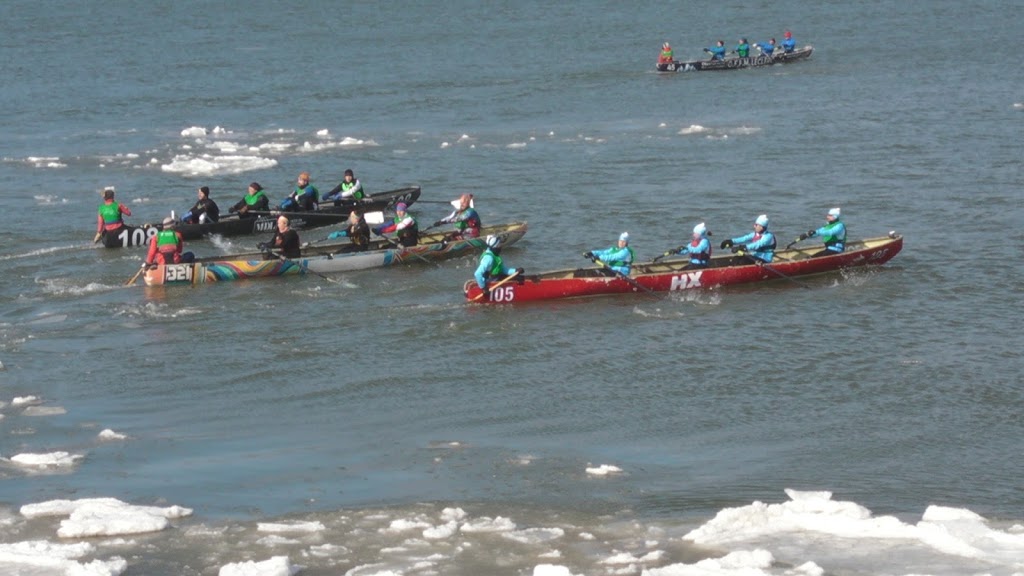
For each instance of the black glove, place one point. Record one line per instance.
(725, 244)
(588, 255)
(738, 248)
(436, 224)
(487, 293)
(263, 246)
(802, 237)
(521, 272)
(706, 50)
(811, 233)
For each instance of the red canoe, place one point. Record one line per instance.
(669, 276)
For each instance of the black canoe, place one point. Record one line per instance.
(266, 222)
(737, 63)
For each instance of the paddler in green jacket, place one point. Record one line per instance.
(833, 233)
(109, 220)
(166, 247)
(491, 265)
(255, 200)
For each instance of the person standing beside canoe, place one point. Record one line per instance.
(404, 224)
(665, 57)
(304, 198)
(285, 240)
(349, 189)
(110, 219)
(788, 44)
(491, 266)
(619, 257)
(166, 247)
(465, 218)
(204, 210)
(255, 200)
(759, 244)
(699, 248)
(357, 231)
(833, 233)
(717, 51)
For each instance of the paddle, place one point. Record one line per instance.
(764, 264)
(99, 236)
(625, 277)
(131, 281)
(503, 281)
(670, 252)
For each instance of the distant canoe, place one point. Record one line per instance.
(266, 223)
(737, 63)
(669, 276)
(328, 259)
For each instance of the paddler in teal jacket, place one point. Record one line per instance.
(491, 265)
(758, 244)
(619, 257)
(833, 233)
(699, 248)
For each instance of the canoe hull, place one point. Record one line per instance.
(327, 215)
(671, 276)
(736, 63)
(325, 260)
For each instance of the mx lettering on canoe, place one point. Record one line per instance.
(686, 281)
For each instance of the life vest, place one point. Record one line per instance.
(666, 56)
(763, 248)
(410, 235)
(167, 247)
(496, 265)
(472, 223)
(307, 197)
(743, 50)
(835, 240)
(111, 213)
(358, 194)
(359, 234)
(252, 199)
(620, 263)
(700, 257)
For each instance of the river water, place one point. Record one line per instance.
(867, 422)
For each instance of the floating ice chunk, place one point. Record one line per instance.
(275, 566)
(290, 528)
(604, 470)
(108, 434)
(47, 460)
(104, 516)
(486, 524)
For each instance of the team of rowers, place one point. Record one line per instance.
(742, 49)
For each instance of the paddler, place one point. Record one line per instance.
(305, 196)
(665, 57)
(465, 218)
(699, 248)
(404, 224)
(204, 210)
(717, 51)
(759, 244)
(833, 233)
(619, 257)
(788, 44)
(492, 267)
(356, 230)
(255, 200)
(285, 240)
(109, 220)
(349, 189)
(166, 247)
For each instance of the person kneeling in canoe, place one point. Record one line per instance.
(109, 219)
(349, 189)
(305, 197)
(465, 218)
(204, 210)
(759, 244)
(619, 257)
(285, 242)
(404, 224)
(166, 247)
(833, 233)
(699, 248)
(255, 200)
(357, 231)
(665, 57)
(491, 267)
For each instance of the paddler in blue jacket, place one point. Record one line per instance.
(788, 44)
(491, 266)
(768, 48)
(759, 244)
(305, 196)
(717, 51)
(833, 233)
(619, 257)
(699, 248)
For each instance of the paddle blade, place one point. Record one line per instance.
(374, 217)
(458, 203)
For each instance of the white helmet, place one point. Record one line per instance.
(762, 220)
(834, 212)
(493, 241)
(700, 229)
(624, 237)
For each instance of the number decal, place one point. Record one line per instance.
(503, 294)
(177, 273)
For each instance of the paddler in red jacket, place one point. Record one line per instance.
(109, 220)
(166, 247)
